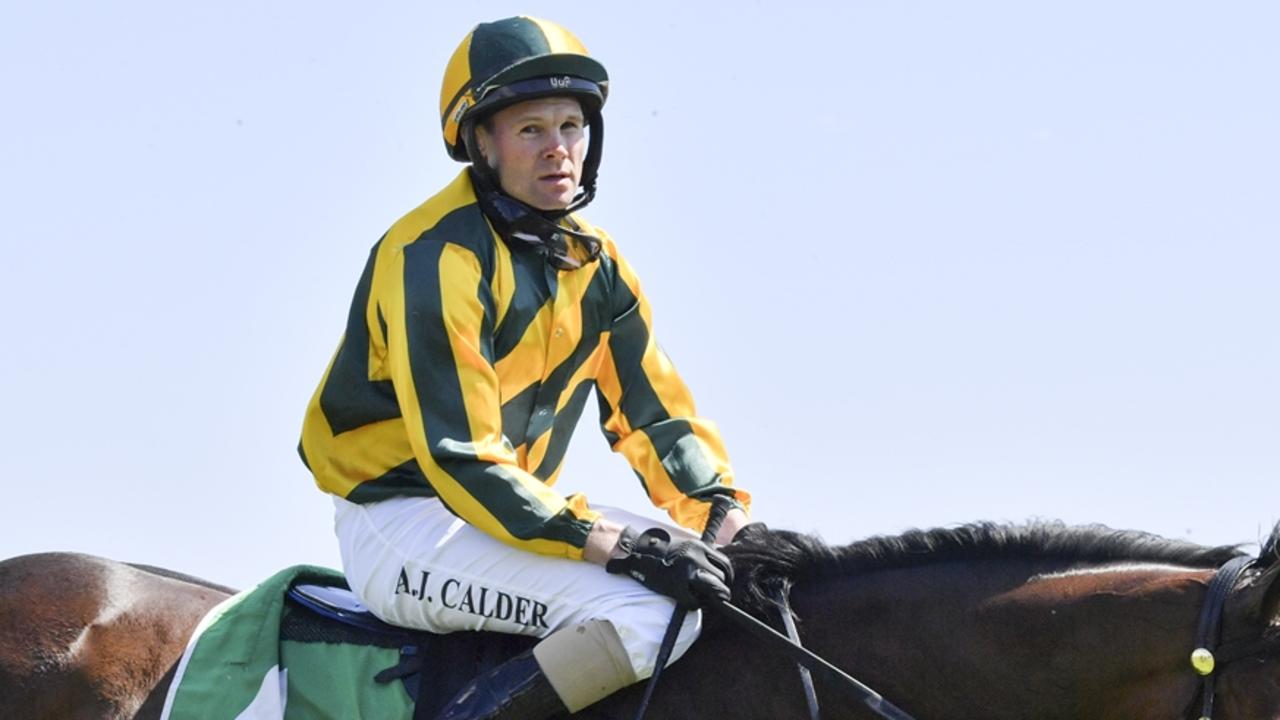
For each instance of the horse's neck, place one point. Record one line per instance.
(1004, 637)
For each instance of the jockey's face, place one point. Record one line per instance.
(537, 148)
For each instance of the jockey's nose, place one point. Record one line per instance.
(557, 146)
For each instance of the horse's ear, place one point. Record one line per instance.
(1271, 601)
(1259, 598)
(1262, 596)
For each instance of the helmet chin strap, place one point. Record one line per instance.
(539, 230)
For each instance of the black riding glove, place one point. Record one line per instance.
(688, 571)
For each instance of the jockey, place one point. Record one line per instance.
(482, 320)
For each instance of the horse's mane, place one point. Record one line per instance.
(765, 560)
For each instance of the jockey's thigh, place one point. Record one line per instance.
(415, 564)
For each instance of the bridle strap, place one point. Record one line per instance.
(782, 597)
(1209, 632)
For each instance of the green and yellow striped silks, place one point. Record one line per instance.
(465, 367)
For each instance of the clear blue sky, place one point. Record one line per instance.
(925, 263)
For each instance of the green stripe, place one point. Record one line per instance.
(627, 343)
(350, 400)
(606, 412)
(681, 456)
(494, 487)
(498, 45)
(435, 376)
(608, 274)
(562, 430)
(403, 479)
(489, 310)
(382, 324)
(516, 413)
(527, 298)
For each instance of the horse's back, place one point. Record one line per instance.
(85, 637)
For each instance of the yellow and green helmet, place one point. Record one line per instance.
(512, 60)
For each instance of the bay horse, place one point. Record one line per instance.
(982, 622)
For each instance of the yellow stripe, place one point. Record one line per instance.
(341, 462)
(457, 73)
(607, 383)
(640, 453)
(459, 273)
(578, 507)
(566, 331)
(585, 372)
(458, 193)
(368, 452)
(523, 366)
(558, 38)
(538, 450)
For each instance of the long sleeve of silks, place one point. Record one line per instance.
(439, 312)
(648, 415)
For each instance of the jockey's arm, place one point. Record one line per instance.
(647, 414)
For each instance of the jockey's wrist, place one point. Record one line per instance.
(602, 541)
(734, 521)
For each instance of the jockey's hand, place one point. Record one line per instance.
(688, 571)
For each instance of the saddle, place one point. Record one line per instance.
(323, 620)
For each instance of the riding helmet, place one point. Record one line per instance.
(509, 61)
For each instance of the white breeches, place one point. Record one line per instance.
(415, 564)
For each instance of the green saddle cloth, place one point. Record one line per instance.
(236, 666)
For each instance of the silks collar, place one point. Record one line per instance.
(563, 246)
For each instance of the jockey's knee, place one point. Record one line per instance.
(585, 663)
(589, 661)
